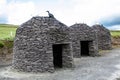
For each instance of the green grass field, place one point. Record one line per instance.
(7, 31)
(115, 34)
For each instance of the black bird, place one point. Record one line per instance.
(50, 15)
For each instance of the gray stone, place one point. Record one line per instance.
(43, 44)
(34, 46)
(84, 40)
(104, 37)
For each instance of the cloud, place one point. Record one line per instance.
(67, 11)
(115, 27)
(3, 19)
(3, 7)
(20, 12)
(111, 21)
(16, 12)
(82, 11)
(91, 11)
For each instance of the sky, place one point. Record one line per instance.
(69, 12)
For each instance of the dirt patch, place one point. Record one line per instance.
(5, 60)
(6, 51)
(116, 42)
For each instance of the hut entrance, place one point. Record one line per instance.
(57, 55)
(84, 48)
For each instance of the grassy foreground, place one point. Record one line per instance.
(7, 34)
(7, 31)
(115, 33)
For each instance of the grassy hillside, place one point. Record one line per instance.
(7, 31)
(115, 38)
(115, 34)
(7, 34)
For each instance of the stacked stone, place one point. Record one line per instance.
(34, 40)
(33, 45)
(104, 37)
(82, 32)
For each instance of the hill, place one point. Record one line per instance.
(115, 38)
(7, 31)
(115, 33)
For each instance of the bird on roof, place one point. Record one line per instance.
(50, 15)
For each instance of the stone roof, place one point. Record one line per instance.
(82, 31)
(100, 28)
(33, 44)
(104, 37)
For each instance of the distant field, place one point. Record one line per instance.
(7, 31)
(115, 33)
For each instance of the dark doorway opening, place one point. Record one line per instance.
(84, 48)
(57, 55)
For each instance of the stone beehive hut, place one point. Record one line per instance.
(84, 40)
(104, 37)
(41, 45)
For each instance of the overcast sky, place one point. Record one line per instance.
(106, 12)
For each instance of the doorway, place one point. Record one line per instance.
(57, 55)
(84, 48)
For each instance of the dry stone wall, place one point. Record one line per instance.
(33, 45)
(104, 37)
(82, 32)
(35, 41)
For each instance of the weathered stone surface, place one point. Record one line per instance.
(35, 42)
(33, 45)
(104, 37)
(82, 32)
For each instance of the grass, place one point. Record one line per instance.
(115, 38)
(7, 31)
(115, 33)
(7, 34)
